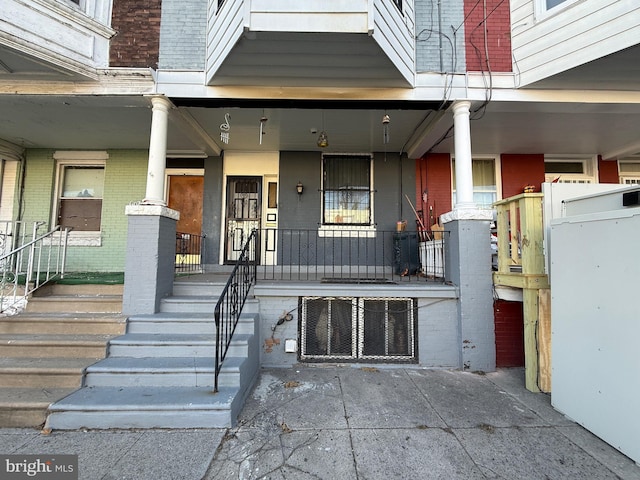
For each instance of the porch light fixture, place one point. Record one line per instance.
(323, 141)
(386, 120)
(299, 188)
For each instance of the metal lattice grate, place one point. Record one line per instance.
(357, 329)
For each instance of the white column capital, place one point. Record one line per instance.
(461, 106)
(162, 103)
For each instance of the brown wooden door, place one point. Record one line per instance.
(185, 196)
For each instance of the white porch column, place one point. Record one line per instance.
(462, 146)
(157, 152)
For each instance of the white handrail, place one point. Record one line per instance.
(20, 277)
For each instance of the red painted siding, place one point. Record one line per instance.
(608, 171)
(433, 174)
(509, 330)
(521, 170)
(138, 39)
(495, 21)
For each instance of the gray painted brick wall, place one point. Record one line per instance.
(183, 35)
(271, 308)
(429, 34)
(469, 256)
(150, 263)
(438, 344)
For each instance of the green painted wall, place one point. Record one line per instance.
(125, 182)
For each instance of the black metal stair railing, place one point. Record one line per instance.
(232, 299)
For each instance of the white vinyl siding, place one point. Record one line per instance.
(547, 42)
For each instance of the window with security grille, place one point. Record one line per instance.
(346, 190)
(357, 329)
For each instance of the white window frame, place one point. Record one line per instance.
(76, 158)
(629, 178)
(333, 230)
(497, 168)
(589, 169)
(542, 12)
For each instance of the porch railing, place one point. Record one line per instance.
(30, 263)
(232, 299)
(352, 256)
(189, 248)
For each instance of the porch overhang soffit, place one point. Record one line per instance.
(363, 43)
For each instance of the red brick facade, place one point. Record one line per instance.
(521, 170)
(498, 36)
(138, 39)
(433, 174)
(509, 325)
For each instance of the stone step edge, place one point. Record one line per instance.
(147, 399)
(230, 365)
(38, 397)
(126, 340)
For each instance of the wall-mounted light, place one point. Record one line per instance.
(299, 188)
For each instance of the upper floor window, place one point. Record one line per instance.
(546, 7)
(346, 190)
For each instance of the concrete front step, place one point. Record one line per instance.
(61, 323)
(168, 322)
(79, 289)
(27, 407)
(41, 346)
(199, 304)
(43, 372)
(75, 304)
(164, 371)
(174, 345)
(146, 407)
(185, 288)
(188, 304)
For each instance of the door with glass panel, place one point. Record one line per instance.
(243, 209)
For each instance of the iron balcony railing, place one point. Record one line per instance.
(189, 249)
(26, 265)
(352, 256)
(232, 299)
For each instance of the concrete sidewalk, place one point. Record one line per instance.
(355, 423)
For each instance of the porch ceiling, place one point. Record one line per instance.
(124, 122)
